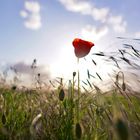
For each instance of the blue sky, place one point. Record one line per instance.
(44, 29)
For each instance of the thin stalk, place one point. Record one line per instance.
(78, 91)
(72, 101)
(71, 98)
(72, 95)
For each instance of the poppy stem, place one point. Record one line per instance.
(78, 91)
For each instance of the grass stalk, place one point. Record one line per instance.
(78, 91)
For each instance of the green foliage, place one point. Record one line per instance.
(32, 114)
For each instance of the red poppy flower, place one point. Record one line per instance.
(81, 47)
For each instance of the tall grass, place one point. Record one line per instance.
(36, 115)
(69, 113)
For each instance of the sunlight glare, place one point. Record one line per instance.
(66, 64)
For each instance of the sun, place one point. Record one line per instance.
(66, 64)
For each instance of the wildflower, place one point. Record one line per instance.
(82, 47)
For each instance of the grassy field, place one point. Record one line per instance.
(72, 112)
(61, 115)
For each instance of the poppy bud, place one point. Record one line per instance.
(123, 86)
(78, 130)
(3, 118)
(74, 74)
(61, 95)
(122, 130)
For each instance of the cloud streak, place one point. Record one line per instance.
(31, 15)
(90, 32)
(25, 69)
(102, 15)
(137, 34)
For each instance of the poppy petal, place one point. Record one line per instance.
(82, 47)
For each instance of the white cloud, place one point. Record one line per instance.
(137, 34)
(100, 14)
(32, 16)
(33, 7)
(118, 24)
(103, 15)
(91, 32)
(76, 5)
(23, 14)
(33, 22)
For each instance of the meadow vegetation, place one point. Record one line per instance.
(69, 113)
